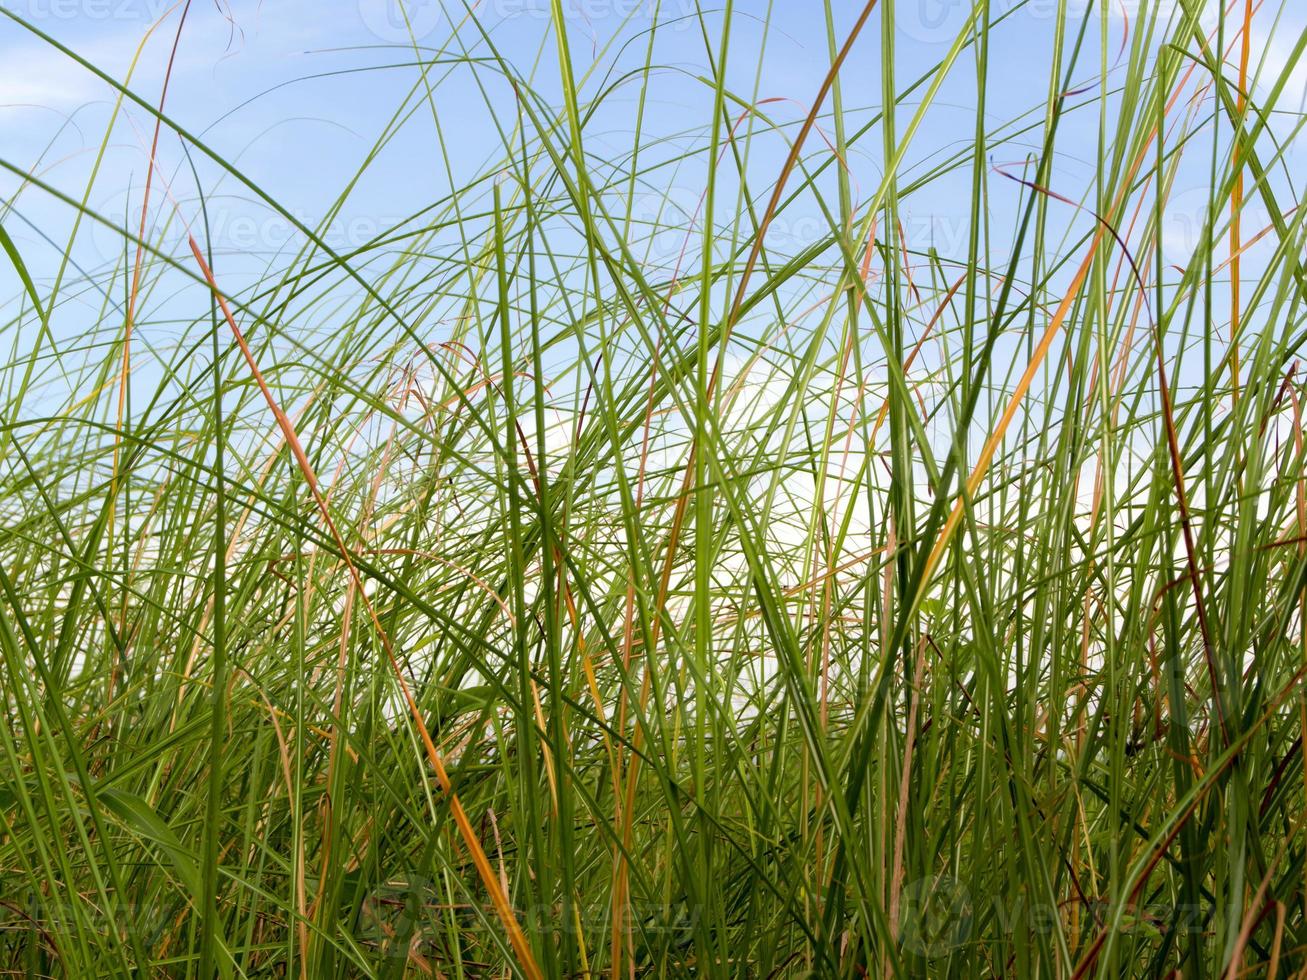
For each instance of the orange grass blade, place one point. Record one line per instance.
(526, 959)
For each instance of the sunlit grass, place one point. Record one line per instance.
(584, 577)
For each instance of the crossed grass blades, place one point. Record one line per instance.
(512, 594)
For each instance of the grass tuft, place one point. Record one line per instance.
(750, 584)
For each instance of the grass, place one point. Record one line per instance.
(543, 587)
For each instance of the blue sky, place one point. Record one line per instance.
(295, 93)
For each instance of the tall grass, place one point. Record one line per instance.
(546, 587)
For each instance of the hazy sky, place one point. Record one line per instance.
(295, 93)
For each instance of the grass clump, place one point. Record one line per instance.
(578, 577)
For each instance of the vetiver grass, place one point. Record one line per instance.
(512, 594)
